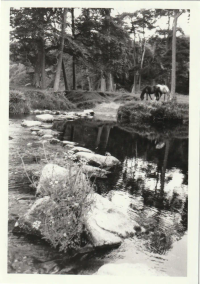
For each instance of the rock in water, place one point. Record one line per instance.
(89, 112)
(81, 149)
(31, 222)
(53, 177)
(45, 117)
(98, 160)
(30, 123)
(106, 224)
(94, 171)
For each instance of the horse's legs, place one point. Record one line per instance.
(150, 96)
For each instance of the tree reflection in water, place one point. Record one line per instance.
(151, 184)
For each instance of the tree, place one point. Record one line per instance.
(32, 36)
(177, 13)
(140, 21)
(60, 59)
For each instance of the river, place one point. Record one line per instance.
(150, 185)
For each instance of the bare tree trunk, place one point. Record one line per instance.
(110, 83)
(73, 58)
(43, 74)
(65, 76)
(173, 75)
(36, 77)
(58, 70)
(141, 65)
(89, 83)
(103, 83)
(134, 88)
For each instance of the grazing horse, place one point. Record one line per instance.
(149, 90)
(162, 89)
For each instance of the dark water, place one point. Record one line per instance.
(150, 186)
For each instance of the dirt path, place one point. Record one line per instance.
(107, 111)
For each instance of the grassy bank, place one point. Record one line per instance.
(21, 102)
(153, 112)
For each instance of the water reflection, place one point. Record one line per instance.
(150, 185)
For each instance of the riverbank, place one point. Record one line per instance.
(154, 112)
(23, 100)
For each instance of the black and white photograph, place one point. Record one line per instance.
(98, 150)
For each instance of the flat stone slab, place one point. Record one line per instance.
(45, 117)
(30, 123)
(107, 226)
(98, 160)
(81, 149)
(46, 126)
(91, 171)
(70, 143)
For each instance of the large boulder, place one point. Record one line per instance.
(81, 149)
(105, 222)
(30, 123)
(91, 171)
(128, 269)
(98, 160)
(53, 177)
(45, 117)
(33, 221)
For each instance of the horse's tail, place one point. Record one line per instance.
(142, 94)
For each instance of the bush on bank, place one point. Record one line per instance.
(153, 112)
(18, 104)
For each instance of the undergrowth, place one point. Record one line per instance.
(18, 104)
(153, 112)
(22, 102)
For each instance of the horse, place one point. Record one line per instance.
(149, 90)
(162, 89)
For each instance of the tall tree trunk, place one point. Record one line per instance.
(110, 83)
(139, 84)
(134, 88)
(173, 75)
(58, 70)
(73, 57)
(43, 74)
(89, 83)
(103, 83)
(36, 77)
(141, 64)
(65, 76)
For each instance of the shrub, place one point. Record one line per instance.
(18, 103)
